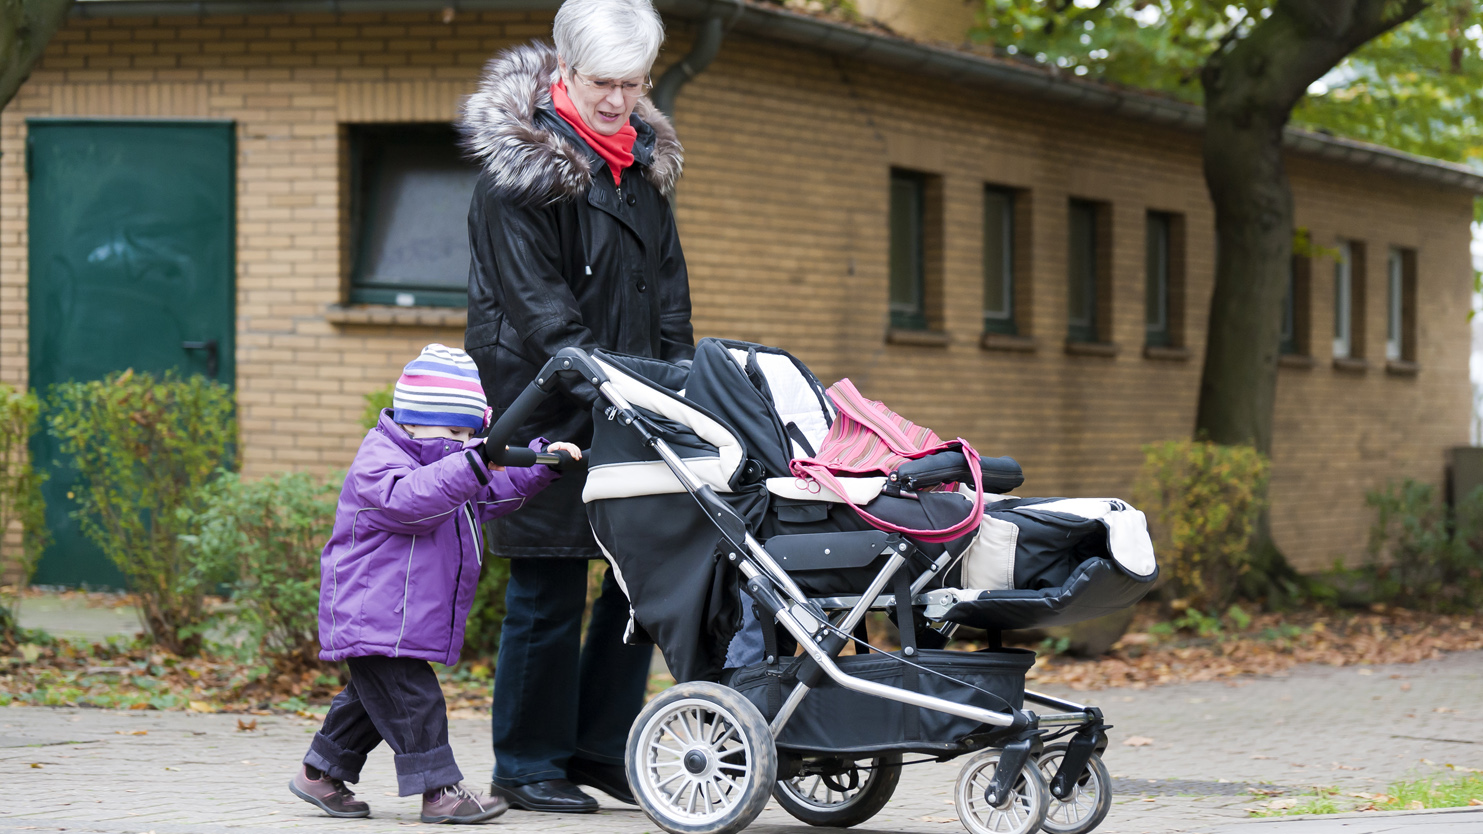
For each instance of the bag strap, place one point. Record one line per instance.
(818, 472)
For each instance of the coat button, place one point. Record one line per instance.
(643, 286)
(632, 200)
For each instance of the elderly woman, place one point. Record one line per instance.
(574, 245)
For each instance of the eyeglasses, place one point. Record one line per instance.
(630, 89)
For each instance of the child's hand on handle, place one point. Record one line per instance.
(569, 448)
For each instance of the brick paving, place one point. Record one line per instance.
(1356, 728)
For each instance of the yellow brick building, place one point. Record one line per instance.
(810, 145)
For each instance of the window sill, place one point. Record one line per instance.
(917, 338)
(1296, 360)
(1167, 354)
(396, 316)
(1402, 367)
(1106, 349)
(1351, 365)
(1006, 342)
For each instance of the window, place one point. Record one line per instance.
(1163, 316)
(908, 261)
(999, 258)
(1295, 308)
(1400, 294)
(1089, 273)
(409, 201)
(1349, 300)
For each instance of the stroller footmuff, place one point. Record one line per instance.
(692, 496)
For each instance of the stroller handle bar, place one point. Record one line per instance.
(569, 363)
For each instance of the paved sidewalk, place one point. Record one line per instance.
(1356, 728)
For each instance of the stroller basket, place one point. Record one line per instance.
(877, 724)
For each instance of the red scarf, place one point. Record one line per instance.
(616, 150)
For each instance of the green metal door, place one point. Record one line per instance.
(131, 266)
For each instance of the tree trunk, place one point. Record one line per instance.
(1251, 87)
(26, 27)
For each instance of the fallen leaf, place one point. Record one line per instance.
(139, 706)
(246, 726)
(1415, 805)
(1365, 671)
(1338, 766)
(36, 765)
(201, 706)
(1406, 687)
(1444, 709)
(1475, 801)
(1282, 804)
(1137, 741)
(1264, 757)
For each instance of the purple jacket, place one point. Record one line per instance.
(398, 576)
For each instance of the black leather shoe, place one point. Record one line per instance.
(557, 796)
(610, 779)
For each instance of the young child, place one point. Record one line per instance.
(397, 580)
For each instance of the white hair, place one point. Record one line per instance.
(608, 38)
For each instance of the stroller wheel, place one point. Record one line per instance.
(701, 760)
(1089, 801)
(1021, 813)
(841, 797)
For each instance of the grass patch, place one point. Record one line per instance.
(1456, 791)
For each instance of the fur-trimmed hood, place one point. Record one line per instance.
(510, 126)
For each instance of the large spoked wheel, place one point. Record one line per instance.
(841, 796)
(1090, 799)
(1022, 811)
(701, 760)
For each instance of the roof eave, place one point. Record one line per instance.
(774, 22)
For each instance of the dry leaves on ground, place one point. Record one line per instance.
(1272, 644)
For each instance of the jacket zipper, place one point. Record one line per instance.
(457, 582)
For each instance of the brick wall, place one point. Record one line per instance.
(783, 216)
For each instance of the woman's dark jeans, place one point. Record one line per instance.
(556, 698)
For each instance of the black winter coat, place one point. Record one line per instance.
(563, 257)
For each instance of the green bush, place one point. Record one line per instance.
(265, 537)
(20, 491)
(487, 617)
(1419, 557)
(145, 448)
(376, 401)
(1203, 500)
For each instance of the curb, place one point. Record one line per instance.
(1366, 815)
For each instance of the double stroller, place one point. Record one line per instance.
(690, 495)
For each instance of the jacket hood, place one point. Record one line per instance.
(425, 450)
(510, 126)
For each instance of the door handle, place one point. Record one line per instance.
(212, 354)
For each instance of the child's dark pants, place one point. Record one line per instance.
(396, 699)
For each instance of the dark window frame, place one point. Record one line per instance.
(1357, 282)
(1400, 295)
(1296, 320)
(365, 146)
(907, 314)
(1007, 320)
(1091, 221)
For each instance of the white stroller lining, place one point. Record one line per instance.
(859, 490)
(626, 480)
(793, 398)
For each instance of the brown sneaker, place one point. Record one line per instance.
(456, 805)
(329, 794)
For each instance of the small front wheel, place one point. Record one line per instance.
(841, 796)
(1021, 812)
(701, 760)
(1090, 799)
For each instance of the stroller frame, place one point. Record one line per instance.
(822, 626)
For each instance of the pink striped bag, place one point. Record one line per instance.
(868, 438)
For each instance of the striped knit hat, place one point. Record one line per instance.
(440, 388)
